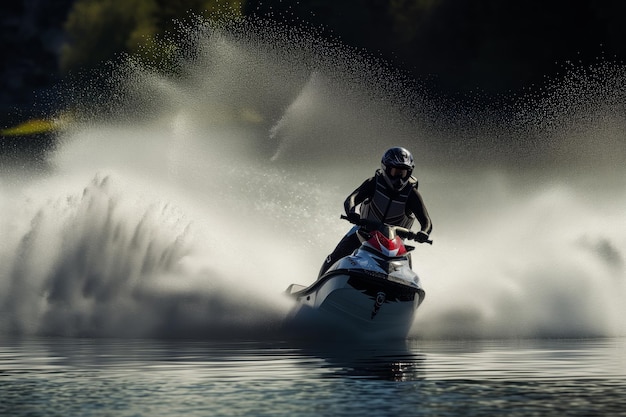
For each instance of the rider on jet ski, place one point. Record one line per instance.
(390, 196)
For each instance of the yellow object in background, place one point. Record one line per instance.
(33, 127)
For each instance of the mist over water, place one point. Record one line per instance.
(187, 207)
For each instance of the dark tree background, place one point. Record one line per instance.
(464, 45)
(460, 46)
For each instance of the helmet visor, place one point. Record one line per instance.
(397, 172)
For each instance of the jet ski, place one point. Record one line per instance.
(372, 293)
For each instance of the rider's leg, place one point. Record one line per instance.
(345, 247)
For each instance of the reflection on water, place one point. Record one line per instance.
(141, 377)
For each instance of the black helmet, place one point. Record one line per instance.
(400, 159)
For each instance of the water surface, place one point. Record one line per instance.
(93, 377)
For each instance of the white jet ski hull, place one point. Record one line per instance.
(356, 306)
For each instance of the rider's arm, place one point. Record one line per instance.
(365, 190)
(418, 208)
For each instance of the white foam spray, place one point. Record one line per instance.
(189, 209)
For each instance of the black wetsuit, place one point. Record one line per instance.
(381, 203)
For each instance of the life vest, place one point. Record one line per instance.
(388, 205)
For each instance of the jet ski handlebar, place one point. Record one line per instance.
(374, 225)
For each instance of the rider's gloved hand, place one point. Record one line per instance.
(421, 236)
(353, 217)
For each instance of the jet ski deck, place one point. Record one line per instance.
(369, 293)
